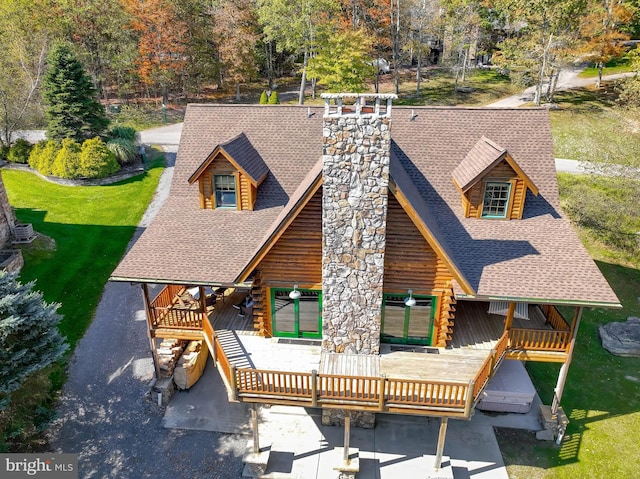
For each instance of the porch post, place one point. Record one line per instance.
(441, 436)
(510, 313)
(203, 299)
(254, 426)
(152, 341)
(564, 370)
(347, 434)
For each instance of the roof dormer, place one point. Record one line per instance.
(229, 177)
(491, 182)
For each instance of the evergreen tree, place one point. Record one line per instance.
(29, 338)
(72, 110)
(274, 99)
(264, 99)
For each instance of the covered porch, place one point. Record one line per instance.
(402, 379)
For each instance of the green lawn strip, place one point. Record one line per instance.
(601, 397)
(587, 127)
(617, 65)
(91, 226)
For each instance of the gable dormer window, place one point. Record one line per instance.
(496, 199)
(230, 175)
(491, 183)
(224, 187)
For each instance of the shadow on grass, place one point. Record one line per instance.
(600, 387)
(584, 100)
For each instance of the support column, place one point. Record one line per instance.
(254, 427)
(255, 460)
(564, 370)
(441, 437)
(152, 340)
(347, 435)
(510, 314)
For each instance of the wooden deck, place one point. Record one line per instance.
(475, 328)
(402, 379)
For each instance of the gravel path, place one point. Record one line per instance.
(102, 414)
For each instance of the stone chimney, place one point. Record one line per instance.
(356, 148)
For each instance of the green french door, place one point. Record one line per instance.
(407, 324)
(296, 318)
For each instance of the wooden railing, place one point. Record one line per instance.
(491, 364)
(165, 312)
(353, 392)
(555, 318)
(166, 297)
(539, 340)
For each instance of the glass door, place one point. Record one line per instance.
(297, 318)
(407, 324)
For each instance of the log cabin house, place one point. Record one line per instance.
(371, 236)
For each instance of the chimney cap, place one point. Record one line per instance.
(369, 104)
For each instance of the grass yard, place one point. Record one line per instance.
(91, 227)
(588, 126)
(617, 65)
(602, 394)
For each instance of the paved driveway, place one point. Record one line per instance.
(102, 414)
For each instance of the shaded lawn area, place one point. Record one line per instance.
(601, 398)
(91, 226)
(590, 126)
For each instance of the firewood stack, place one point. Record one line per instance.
(169, 352)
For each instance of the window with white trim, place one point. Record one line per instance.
(496, 199)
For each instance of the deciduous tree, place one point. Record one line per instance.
(236, 34)
(343, 64)
(601, 32)
(298, 26)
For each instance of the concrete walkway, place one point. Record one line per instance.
(301, 447)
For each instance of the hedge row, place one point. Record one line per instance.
(69, 159)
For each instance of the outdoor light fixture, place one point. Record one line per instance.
(410, 301)
(295, 294)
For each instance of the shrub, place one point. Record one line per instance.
(124, 150)
(43, 155)
(4, 151)
(273, 98)
(19, 152)
(67, 162)
(96, 160)
(125, 133)
(264, 99)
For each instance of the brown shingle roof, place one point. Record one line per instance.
(538, 257)
(484, 154)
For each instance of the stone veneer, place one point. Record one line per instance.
(356, 146)
(7, 217)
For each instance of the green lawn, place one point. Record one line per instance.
(602, 394)
(618, 65)
(590, 126)
(89, 228)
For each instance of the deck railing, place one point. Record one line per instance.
(555, 318)
(491, 364)
(539, 340)
(165, 311)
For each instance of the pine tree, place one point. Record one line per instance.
(72, 110)
(274, 99)
(264, 99)
(29, 338)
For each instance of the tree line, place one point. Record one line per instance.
(173, 49)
